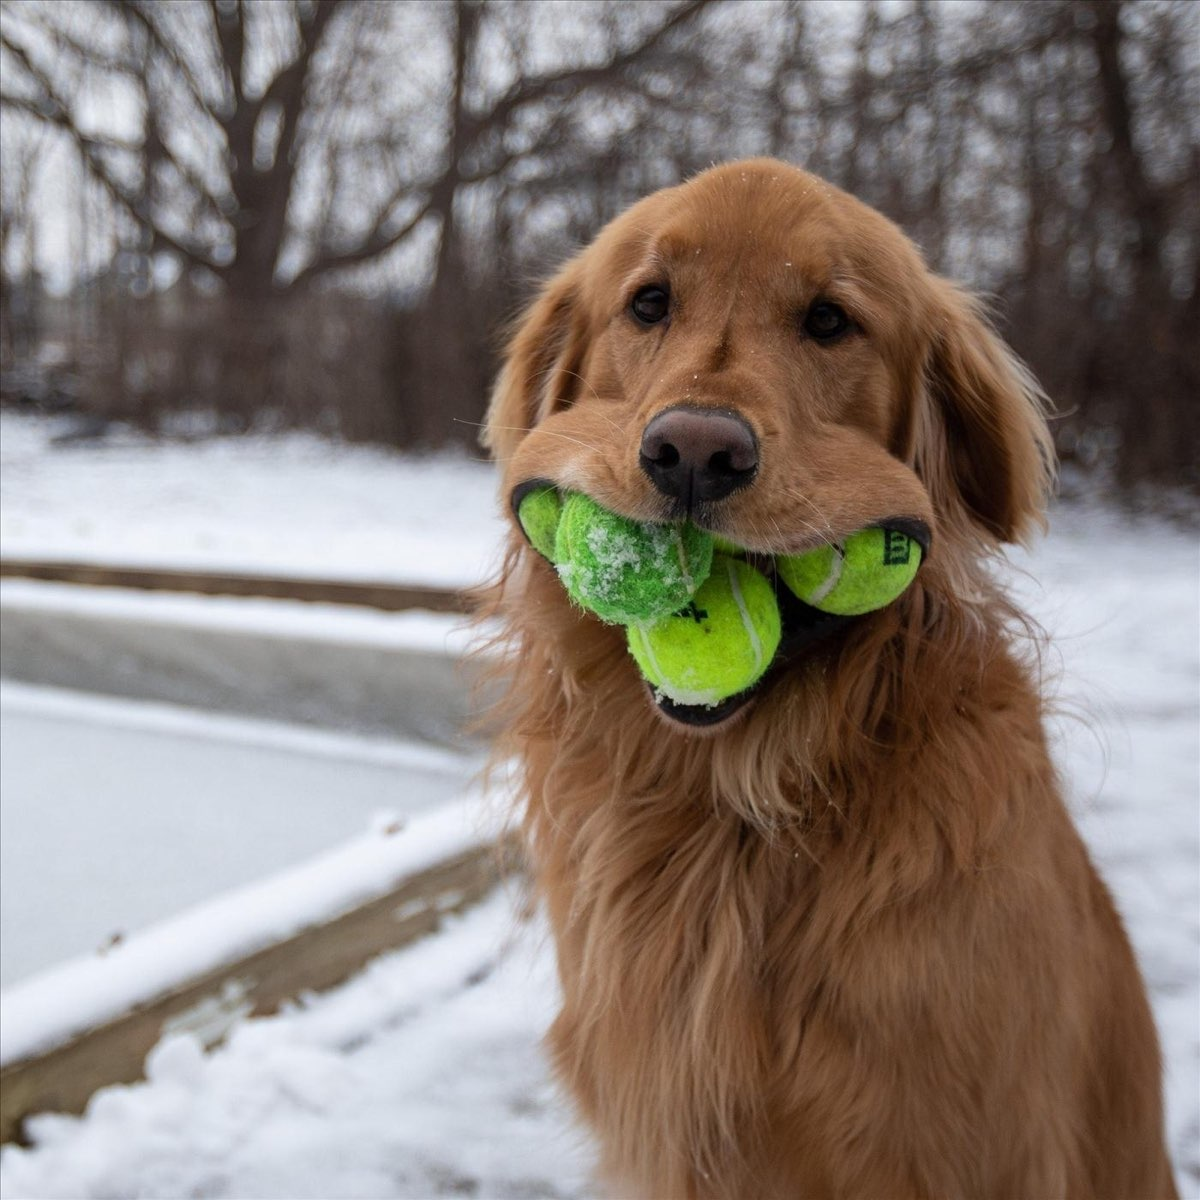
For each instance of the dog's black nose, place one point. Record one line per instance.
(694, 454)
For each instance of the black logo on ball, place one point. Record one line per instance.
(897, 547)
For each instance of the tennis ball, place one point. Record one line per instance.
(625, 571)
(865, 572)
(539, 512)
(719, 645)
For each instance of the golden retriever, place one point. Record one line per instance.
(838, 936)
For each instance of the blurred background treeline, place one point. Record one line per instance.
(231, 215)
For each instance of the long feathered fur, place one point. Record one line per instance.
(849, 945)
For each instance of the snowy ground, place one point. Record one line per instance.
(148, 808)
(422, 1077)
(291, 505)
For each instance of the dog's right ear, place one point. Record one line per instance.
(542, 365)
(985, 450)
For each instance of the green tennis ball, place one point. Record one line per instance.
(719, 645)
(865, 572)
(625, 571)
(539, 513)
(724, 546)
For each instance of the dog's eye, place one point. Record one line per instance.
(825, 321)
(650, 304)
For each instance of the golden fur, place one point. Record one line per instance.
(848, 944)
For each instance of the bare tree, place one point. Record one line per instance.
(243, 105)
(19, 291)
(270, 147)
(443, 152)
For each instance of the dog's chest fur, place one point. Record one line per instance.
(671, 1030)
(735, 1002)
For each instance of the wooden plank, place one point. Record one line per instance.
(390, 597)
(63, 1078)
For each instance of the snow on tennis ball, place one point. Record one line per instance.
(722, 643)
(625, 571)
(864, 573)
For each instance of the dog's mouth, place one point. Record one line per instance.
(804, 628)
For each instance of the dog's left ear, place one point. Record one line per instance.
(982, 447)
(542, 364)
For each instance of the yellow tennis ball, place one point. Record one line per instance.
(539, 512)
(724, 546)
(864, 573)
(719, 645)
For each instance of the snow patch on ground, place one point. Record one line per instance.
(420, 1079)
(49, 1008)
(290, 505)
(118, 813)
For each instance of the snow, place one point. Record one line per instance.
(422, 1077)
(290, 505)
(624, 571)
(147, 808)
(49, 1008)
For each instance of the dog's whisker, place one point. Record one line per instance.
(549, 433)
(586, 382)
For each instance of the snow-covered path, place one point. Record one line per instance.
(422, 1077)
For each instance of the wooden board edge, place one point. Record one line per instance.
(388, 597)
(64, 1077)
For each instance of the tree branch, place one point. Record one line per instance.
(137, 13)
(54, 111)
(375, 243)
(529, 89)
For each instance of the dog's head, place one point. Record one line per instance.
(763, 354)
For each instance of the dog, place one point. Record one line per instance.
(836, 936)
